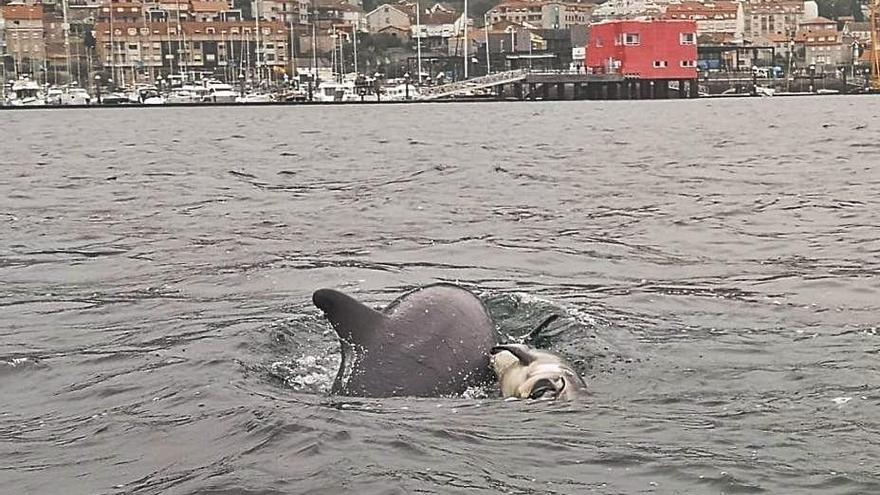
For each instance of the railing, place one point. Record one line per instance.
(481, 82)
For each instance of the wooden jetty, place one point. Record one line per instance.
(526, 85)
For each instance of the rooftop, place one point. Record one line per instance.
(821, 37)
(200, 6)
(22, 12)
(817, 20)
(102, 29)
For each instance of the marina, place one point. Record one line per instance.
(714, 265)
(514, 85)
(191, 52)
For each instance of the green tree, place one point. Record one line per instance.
(89, 36)
(834, 9)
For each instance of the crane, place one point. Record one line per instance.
(875, 44)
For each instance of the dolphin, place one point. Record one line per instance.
(433, 341)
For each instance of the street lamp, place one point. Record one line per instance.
(855, 57)
(812, 71)
(406, 85)
(98, 87)
(333, 60)
(486, 31)
(754, 80)
(377, 87)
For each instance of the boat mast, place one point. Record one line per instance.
(292, 50)
(232, 58)
(181, 45)
(333, 54)
(169, 55)
(257, 38)
(465, 54)
(112, 43)
(247, 51)
(66, 27)
(419, 42)
(354, 42)
(314, 45)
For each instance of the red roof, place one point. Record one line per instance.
(209, 6)
(22, 12)
(829, 37)
(817, 20)
(699, 11)
(439, 17)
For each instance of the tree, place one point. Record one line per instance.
(835, 9)
(89, 37)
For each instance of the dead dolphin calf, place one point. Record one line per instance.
(527, 373)
(433, 341)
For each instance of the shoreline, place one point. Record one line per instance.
(409, 102)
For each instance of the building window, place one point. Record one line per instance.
(632, 39)
(599, 43)
(688, 63)
(659, 64)
(688, 39)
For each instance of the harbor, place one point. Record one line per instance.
(191, 52)
(507, 86)
(714, 264)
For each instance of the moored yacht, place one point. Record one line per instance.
(400, 92)
(254, 98)
(26, 92)
(74, 95)
(331, 91)
(187, 93)
(218, 92)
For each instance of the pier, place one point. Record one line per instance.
(526, 85)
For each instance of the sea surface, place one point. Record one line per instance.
(716, 266)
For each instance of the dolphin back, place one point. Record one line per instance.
(433, 341)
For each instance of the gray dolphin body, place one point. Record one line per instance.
(433, 341)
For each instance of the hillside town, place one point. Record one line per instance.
(183, 51)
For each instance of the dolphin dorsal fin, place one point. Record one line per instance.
(349, 317)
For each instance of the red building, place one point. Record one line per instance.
(647, 49)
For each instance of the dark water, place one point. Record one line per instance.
(717, 264)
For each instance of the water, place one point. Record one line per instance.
(716, 264)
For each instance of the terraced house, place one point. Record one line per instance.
(129, 48)
(711, 17)
(544, 14)
(24, 38)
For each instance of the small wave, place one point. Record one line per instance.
(9, 366)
